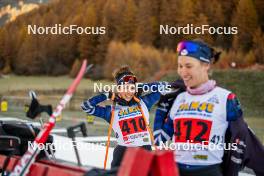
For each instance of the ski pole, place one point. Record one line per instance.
(109, 131)
(25, 162)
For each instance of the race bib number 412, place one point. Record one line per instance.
(192, 130)
(132, 125)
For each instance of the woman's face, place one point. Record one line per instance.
(192, 71)
(127, 91)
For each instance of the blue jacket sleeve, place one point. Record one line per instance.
(151, 99)
(160, 117)
(168, 127)
(91, 107)
(163, 125)
(164, 106)
(165, 133)
(156, 88)
(233, 108)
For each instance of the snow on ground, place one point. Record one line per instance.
(90, 154)
(91, 149)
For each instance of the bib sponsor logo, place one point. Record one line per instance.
(214, 99)
(200, 157)
(130, 111)
(130, 138)
(196, 106)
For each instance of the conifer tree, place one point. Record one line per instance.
(245, 18)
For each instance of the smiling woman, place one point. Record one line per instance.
(205, 116)
(128, 116)
(192, 71)
(194, 61)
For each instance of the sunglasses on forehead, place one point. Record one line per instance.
(128, 79)
(189, 46)
(203, 51)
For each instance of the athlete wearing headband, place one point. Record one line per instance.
(128, 116)
(199, 117)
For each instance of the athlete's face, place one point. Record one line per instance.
(127, 91)
(192, 71)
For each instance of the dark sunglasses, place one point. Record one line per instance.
(128, 79)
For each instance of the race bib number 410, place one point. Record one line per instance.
(192, 130)
(132, 125)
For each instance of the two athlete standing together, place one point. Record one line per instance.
(198, 112)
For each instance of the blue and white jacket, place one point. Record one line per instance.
(129, 118)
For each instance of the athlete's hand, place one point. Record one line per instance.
(178, 84)
(110, 95)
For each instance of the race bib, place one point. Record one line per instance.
(192, 130)
(132, 125)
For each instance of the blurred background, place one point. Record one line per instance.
(47, 63)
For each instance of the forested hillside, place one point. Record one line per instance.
(132, 35)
